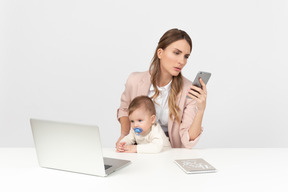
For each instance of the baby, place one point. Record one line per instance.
(145, 135)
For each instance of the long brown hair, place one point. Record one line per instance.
(169, 37)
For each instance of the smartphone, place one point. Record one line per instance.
(205, 76)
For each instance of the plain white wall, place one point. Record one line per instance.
(69, 60)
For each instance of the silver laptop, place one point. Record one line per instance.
(72, 147)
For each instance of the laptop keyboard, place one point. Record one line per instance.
(107, 166)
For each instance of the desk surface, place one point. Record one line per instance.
(239, 169)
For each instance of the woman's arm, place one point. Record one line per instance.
(200, 96)
(196, 128)
(125, 127)
(122, 112)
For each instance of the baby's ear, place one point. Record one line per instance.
(153, 118)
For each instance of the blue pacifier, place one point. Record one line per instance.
(138, 130)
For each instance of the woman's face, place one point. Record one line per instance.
(174, 57)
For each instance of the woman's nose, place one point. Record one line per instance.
(181, 61)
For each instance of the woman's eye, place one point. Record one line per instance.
(176, 53)
(140, 120)
(186, 56)
(132, 121)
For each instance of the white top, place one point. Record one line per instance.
(153, 142)
(161, 105)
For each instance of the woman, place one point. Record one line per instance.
(179, 116)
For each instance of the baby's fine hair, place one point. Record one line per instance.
(142, 101)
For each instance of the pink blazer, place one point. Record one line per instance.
(138, 83)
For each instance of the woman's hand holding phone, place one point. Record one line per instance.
(199, 95)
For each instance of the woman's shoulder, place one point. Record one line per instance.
(139, 74)
(136, 76)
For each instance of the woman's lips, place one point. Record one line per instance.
(177, 69)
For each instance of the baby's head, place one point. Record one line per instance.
(142, 114)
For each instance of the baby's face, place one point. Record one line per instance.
(142, 118)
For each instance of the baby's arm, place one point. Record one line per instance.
(128, 140)
(155, 146)
(130, 148)
(156, 141)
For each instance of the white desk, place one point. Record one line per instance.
(238, 170)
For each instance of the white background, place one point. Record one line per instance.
(69, 60)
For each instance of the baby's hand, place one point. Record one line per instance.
(120, 147)
(130, 148)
